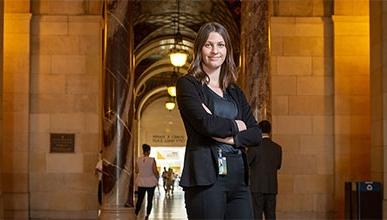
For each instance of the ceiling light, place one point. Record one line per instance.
(170, 104)
(178, 56)
(172, 90)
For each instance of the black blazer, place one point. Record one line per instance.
(264, 161)
(200, 162)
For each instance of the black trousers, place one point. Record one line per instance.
(100, 192)
(141, 194)
(264, 204)
(228, 198)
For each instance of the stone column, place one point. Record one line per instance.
(1, 100)
(16, 106)
(378, 90)
(255, 75)
(351, 118)
(118, 111)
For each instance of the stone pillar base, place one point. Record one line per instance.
(117, 214)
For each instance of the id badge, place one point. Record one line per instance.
(222, 165)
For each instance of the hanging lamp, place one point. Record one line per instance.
(178, 56)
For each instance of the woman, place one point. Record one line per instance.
(147, 176)
(219, 124)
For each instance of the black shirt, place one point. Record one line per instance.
(223, 107)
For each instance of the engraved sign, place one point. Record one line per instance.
(166, 139)
(62, 143)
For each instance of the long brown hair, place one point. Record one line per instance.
(228, 72)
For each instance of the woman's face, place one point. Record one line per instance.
(214, 51)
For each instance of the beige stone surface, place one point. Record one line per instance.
(55, 7)
(322, 66)
(39, 142)
(309, 30)
(49, 103)
(68, 64)
(322, 125)
(40, 122)
(15, 162)
(302, 116)
(14, 184)
(16, 23)
(294, 65)
(17, 65)
(81, 27)
(351, 124)
(310, 105)
(303, 46)
(67, 122)
(276, 48)
(280, 105)
(285, 183)
(38, 164)
(18, 201)
(344, 85)
(351, 7)
(48, 83)
(352, 65)
(284, 85)
(304, 184)
(316, 85)
(14, 102)
(56, 162)
(298, 164)
(292, 124)
(82, 84)
(355, 105)
(281, 29)
(88, 143)
(51, 27)
(316, 144)
(289, 143)
(65, 88)
(58, 45)
(40, 64)
(350, 46)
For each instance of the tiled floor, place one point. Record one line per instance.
(166, 207)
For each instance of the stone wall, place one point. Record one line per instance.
(302, 111)
(66, 79)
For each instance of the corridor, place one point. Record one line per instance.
(166, 208)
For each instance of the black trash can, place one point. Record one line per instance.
(363, 200)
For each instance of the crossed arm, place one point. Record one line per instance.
(227, 140)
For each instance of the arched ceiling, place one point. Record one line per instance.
(155, 24)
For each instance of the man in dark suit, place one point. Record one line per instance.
(264, 161)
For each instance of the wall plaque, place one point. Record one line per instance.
(62, 143)
(168, 139)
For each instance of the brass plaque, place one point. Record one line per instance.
(62, 143)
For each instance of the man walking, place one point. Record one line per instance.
(264, 161)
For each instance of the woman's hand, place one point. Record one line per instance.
(226, 140)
